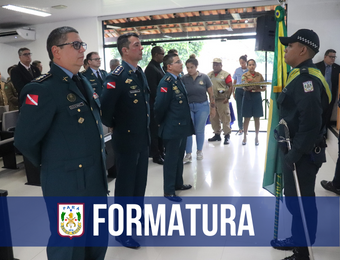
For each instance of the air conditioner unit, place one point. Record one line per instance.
(17, 35)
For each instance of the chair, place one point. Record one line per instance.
(9, 120)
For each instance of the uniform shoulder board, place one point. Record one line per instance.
(118, 70)
(304, 70)
(168, 79)
(42, 77)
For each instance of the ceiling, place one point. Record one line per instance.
(111, 9)
(232, 22)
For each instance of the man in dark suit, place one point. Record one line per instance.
(125, 108)
(24, 72)
(95, 75)
(330, 70)
(59, 128)
(172, 112)
(154, 73)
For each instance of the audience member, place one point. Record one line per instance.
(25, 72)
(252, 100)
(172, 113)
(37, 63)
(222, 87)
(238, 93)
(197, 86)
(114, 63)
(3, 99)
(154, 73)
(10, 92)
(95, 75)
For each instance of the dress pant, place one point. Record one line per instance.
(306, 171)
(336, 179)
(156, 145)
(173, 164)
(222, 116)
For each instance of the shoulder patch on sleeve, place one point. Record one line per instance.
(308, 86)
(118, 70)
(42, 77)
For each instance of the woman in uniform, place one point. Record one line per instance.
(252, 100)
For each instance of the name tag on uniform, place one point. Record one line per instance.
(308, 86)
(76, 105)
(134, 91)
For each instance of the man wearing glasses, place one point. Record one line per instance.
(172, 113)
(330, 70)
(60, 129)
(24, 72)
(95, 75)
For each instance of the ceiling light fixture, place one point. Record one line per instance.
(113, 27)
(26, 10)
(236, 16)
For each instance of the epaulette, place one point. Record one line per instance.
(42, 77)
(118, 70)
(168, 79)
(304, 70)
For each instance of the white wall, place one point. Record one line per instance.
(89, 30)
(322, 16)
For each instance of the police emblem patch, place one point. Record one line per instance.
(133, 87)
(135, 101)
(308, 86)
(201, 82)
(70, 219)
(71, 97)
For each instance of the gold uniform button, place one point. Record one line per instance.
(97, 122)
(91, 109)
(79, 110)
(135, 95)
(102, 150)
(148, 115)
(179, 123)
(128, 131)
(101, 136)
(180, 101)
(80, 166)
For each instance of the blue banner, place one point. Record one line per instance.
(156, 221)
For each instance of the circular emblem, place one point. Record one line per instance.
(177, 91)
(71, 97)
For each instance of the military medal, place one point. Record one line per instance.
(71, 97)
(135, 101)
(95, 95)
(175, 88)
(177, 91)
(81, 120)
(133, 87)
(128, 81)
(65, 79)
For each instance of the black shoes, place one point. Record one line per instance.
(184, 187)
(226, 139)
(158, 160)
(297, 255)
(128, 242)
(328, 185)
(285, 244)
(172, 197)
(216, 137)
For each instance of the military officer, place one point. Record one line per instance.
(95, 75)
(303, 104)
(59, 128)
(172, 112)
(125, 106)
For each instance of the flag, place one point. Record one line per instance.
(32, 99)
(111, 85)
(272, 180)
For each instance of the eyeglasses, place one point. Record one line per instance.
(96, 59)
(26, 54)
(76, 45)
(178, 62)
(332, 57)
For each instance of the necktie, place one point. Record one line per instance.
(30, 71)
(80, 86)
(99, 77)
(139, 76)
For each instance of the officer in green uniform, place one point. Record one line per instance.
(125, 106)
(59, 128)
(302, 104)
(172, 113)
(95, 75)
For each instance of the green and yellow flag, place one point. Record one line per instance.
(272, 180)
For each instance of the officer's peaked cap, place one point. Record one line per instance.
(306, 37)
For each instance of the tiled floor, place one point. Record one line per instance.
(226, 170)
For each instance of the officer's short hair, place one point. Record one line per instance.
(36, 63)
(251, 60)
(58, 36)
(168, 59)
(155, 50)
(123, 41)
(86, 62)
(173, 51)
(310, 51)
(89, 55)
(114, 62)
(329, 51)
(21, 50)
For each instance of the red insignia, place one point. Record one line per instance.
(164, 89)
(111, 85)
(32, 99)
